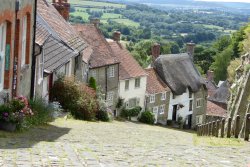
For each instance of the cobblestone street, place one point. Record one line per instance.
(78, 143)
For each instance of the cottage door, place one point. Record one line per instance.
(174, 116)
(190, 121)
(50, 85)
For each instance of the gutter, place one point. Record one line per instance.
(33, 63)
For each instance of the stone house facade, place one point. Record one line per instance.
(16, 28)
(157, 96)
(99, 62)
(132, 77)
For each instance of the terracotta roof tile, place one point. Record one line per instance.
(101, 53)
(129, 68)
(215, 110)
(154, 82)
(58, 27)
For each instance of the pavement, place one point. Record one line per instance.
(117, 144)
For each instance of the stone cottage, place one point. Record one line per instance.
(100, 63)
(157, 96)
(132, 77)
(59, 49)
(16, 38)
(188, 97)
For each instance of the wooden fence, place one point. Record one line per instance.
(218, 128)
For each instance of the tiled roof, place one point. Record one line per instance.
(154, 82)
(56, 54)
(58, 27)
(129, 67)
(102, 54)
(41, 34)
(215, 110)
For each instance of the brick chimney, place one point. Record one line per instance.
(210, 75)
(190, 49)
(156, 51)
(117, 36)
(95, 21)
(63, 7)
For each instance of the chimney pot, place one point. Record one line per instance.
(156, 51)
(95, 21)
(117, 36)
(190, 49)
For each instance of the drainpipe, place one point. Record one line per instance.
(33, 65)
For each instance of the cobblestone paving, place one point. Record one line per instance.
(78, 143)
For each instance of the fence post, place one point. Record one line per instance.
(217, 128)
(222, 127)
(210, 128)
(198, 130)
(237, 126)
(207, 129)
(202, 129)
(247, 128)
(229, 127)
(213, 129)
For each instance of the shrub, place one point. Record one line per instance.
(43, 113)
(92, 83)
(103, 115)
(76, 97)
(147, 117)
(128, 113)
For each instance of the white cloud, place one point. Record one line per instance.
(246, 1)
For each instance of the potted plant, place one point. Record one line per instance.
(13, 113)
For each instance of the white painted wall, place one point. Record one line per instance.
(181, 99)
(133, 92)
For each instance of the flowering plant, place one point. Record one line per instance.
(15, 110)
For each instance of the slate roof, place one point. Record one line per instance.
(215, 110)
(222, 94)
(179, 73)
(101, 54)
(129, 67)
(58, 27)
(154, 82)
(41, 33)
(56, 54)
(211, 87)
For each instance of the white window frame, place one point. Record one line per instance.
(93, 73)
(24, 40)
(110, 98)
(155, 109)
(111, 71)
(126, 88)
(40, 68)
(139, 81)
(162, 109)
(152, 98)
(198, 103)
(164, 96)
(3, 30)
(199, 119)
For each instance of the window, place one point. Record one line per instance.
(190, 105)
(110, 97)
(190, 94)
(198, 103)
(162, 109)
(137, 82)
(152, 98)
(127, 85)
(155, 110)
(111, 72)
(132, 103)
(163, 96)
(199, 119)
(2, 53)
(24, 43)
(93, 73)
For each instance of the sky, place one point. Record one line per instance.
(246, 1)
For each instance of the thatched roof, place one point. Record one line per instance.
(179, 73)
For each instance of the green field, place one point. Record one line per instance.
(96, 4)
(111, 16)
(84, 15)
(127, 22)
